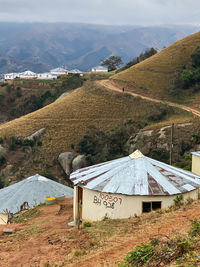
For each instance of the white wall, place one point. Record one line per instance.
(97, 205)
(196, 164)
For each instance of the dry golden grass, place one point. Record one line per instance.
(67, 119)
(153, 75)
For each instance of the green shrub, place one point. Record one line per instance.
(39, 143)
(1, 140)
(178, 201)
(2, 160)
(1, 183)
(159, 154)
(139, 256)
(87, 224)
(195, 229)
(196, 138)
(28, 142)
(47, 173)
(18, 91)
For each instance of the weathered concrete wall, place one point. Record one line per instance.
(97, 205)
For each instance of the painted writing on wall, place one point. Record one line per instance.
(107, 200)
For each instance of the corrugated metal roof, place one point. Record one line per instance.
(136, 175)
(33, 190)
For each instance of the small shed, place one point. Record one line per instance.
(33, 190)
(129, 186)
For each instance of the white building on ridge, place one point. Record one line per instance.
(28, 74)
(99, 69)
(47, 76)
(59, 71)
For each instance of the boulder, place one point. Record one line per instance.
(3, 151)
(65, 159)
(35, 135)
(63, 95)
(79, 162)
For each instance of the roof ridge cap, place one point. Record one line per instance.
(136, 154)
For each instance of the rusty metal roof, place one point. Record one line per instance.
(136, 175)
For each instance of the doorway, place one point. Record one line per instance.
(80, 200)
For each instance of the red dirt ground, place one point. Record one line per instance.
(48, 239)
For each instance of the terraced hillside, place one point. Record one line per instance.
(67, 119)
(152, 76)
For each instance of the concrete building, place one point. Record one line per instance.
(75, 71)
(47, 76)
(59, 71)
(28, 74)
(99, 69)
(129, 186)
(11, 76)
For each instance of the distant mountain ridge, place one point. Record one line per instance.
(42, 46)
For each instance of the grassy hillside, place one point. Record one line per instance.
(20, 97)
(153, 75)
(67, 119)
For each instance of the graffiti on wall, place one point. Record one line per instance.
(107, 200)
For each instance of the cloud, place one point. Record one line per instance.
(140, 12)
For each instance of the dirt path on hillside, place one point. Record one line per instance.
(109, 85)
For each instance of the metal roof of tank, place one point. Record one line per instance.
(136, 175)
(34, 190)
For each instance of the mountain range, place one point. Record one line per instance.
(42, 46)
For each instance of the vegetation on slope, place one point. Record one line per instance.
(67, 119)
(148, 53)
(152, 76)
(20, 97)
(182, 249)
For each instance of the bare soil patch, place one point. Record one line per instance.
(47, 238)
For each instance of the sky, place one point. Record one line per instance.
(112, 12)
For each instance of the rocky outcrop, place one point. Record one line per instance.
(70, 162)
(35, 135)
(65, 159)
(63, 95)
(79, 162)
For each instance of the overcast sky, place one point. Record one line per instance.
(115, 12)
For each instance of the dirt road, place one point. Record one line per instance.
(109, 85)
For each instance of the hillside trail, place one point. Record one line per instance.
(109, 85)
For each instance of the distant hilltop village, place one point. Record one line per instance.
(52, 75)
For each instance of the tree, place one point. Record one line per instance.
(148, 53)
(195, 57)
(112, 62)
